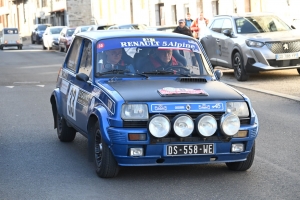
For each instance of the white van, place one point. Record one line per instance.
(10, 37)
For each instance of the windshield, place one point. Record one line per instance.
(42, 27)
(55, 30)
(10, 31)
(260, 24)
(156, 56)
(70, 32)
(83, 29)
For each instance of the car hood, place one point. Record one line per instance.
(147, 91)
(274, 36)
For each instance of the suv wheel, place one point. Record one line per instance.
(106, 165)
(244, 165)
(298, 71)
(238, 66)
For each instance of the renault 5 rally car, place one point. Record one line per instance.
(150, 99)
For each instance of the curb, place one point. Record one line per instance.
(291, 97)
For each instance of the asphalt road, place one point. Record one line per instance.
(34, 164)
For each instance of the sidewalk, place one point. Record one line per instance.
(282, 83)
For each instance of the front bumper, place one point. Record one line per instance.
(155, 154)
(262, 59)
(11, 45)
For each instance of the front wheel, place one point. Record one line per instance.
(64, 132)
(298, 70)
(106, 165)
(239, 69)
(244, 165)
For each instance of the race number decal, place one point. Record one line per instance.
(71, 102)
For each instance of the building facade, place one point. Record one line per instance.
(23, 14)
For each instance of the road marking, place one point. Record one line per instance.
(10, 86)
(33, 82)
(40, 66)
(40, 85)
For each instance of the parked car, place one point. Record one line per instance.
(65, 38)
(252, 43)
(80, 29)
(168, 29)
(150, 99)
(98, 27)
(9, 37)
(129, 26)
(50, 37)
(37, 33)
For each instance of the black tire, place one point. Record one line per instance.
(1, 47)
(61, 49)
(44, 48)
(106, 165)
(298, 70)
(239, 69)
(32, 41)
(244, 165)
(64, 132)
(20, 47)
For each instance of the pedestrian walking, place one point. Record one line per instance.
(188, 20)
(198, 26)
(182, 29)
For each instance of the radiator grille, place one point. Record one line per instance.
(284, 47)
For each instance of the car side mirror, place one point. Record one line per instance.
(218, 74)
(227, 32)
(82, 77)
(293, 27)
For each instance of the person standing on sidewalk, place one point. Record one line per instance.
(188, 20)
(198, 26)
(182, 29)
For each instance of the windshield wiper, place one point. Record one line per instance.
(114, 71)
(159, 72)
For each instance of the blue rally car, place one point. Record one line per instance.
(150, 99)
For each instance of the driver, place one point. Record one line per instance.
(161, 59)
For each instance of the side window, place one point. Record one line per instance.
(227, 25)
(74, 53)
(217, 25)
(86, 59)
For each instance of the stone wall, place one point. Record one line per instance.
(79, 12)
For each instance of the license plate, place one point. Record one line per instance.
(287, 56)
(190, 149)
(11, 42)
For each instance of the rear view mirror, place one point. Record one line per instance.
(218, 74)
(82, 77)
(227, 32)
(293, 27)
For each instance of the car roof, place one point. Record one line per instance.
(239, 15)
(107, 34)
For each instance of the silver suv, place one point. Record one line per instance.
(252, 43)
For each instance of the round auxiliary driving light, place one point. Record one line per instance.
(183, 125)
(159, 126)
(207, 125)
(230, 124)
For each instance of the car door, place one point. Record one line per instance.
(69, 90)
(226, 44)
(216, 35)
(85, 87)
(211, 41)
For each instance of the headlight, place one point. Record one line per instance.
(183, 125)
(230, 124)
(159, 126)
(251, 43)
(238, 108)
(207, 125)
(134, 111)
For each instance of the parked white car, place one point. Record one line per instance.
(50, 37)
